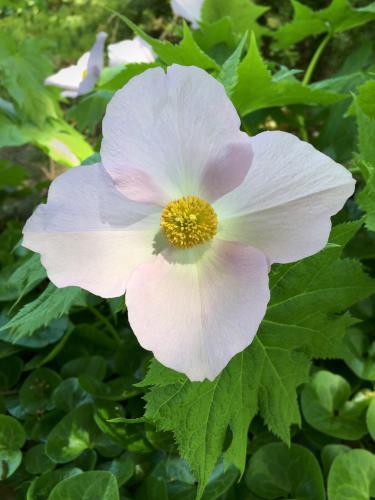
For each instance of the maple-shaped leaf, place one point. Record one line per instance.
(338, 16)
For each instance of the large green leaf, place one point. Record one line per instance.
(338, 16)
(352, 476)
(12, 438)
(255, 88)
(276, 471)
(327, 407)
(243, 14)
(93, 485)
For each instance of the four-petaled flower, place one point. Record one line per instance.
(80, 78)
(186, 214)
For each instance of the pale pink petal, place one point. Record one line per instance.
(66, 78)
(168, 131)
(130, 51)
(285, 203)
(196, 309)
(94, 65)
(188, 9)
(89, 234)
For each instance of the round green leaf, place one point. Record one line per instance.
(69, 394)
(12, 438)
(94, 485)
(122, 467)
(36, 460)
(352, 476)
(37, 389)
(370, 419)
(42, 486)
(276, 471)
(360, 355)
(329, 453)
(75, 433)
(326, 406)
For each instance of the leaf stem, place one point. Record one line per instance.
(315, 58)
(111, 329)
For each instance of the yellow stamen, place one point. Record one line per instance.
(188, 221)
(84, 74)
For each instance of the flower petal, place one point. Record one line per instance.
(130, 51)
(285, 203)
(94, 65)
(89, 234)
(196, 309)
(66, 78)
(165, 131)
(188, 9)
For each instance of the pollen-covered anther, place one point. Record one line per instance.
(188, 221)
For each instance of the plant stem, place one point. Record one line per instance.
(307, 77)
(58, 347)
(315, 59)
(111, 329)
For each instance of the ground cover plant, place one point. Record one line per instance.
(85, 411)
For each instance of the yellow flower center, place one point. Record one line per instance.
(188, 221)
(84, 74)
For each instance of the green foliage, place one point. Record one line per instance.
(84, 411)
(338, 16)
(256, 90)
(352, 475)
(277, 471)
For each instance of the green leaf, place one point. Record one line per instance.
(51, 304)
(337, 17)
(276, 471)
(11, 175)
(370, 418)
(10, 371)
(94, 485)
(187, 52)
(327, 408)
(116, 77)
(218, 34)
(42, 486)
(24, 279)
(122, 467)
(69, 394)
(255, 88)
(258, 376)
(89, 111)
(36, 461)
(366, 199)
(243, 15)
(11, 133)
(228, 75)
(36, 391)
(75, 433)
(61, 142)
(23, 68)
(12, 438)
(329, 453)
(360, 354)
(352, 476)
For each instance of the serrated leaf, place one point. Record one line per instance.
(186, 53)
(337, 17)
(243, 15)
(26, 277)
(51, 304)
(228, 75)
(255, 88)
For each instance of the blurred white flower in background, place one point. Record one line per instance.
(130, 51)
(188, 9)
(80, 78)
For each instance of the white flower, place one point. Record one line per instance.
(188, 9)
(186, 214)
(130, 51)
(80, 78)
